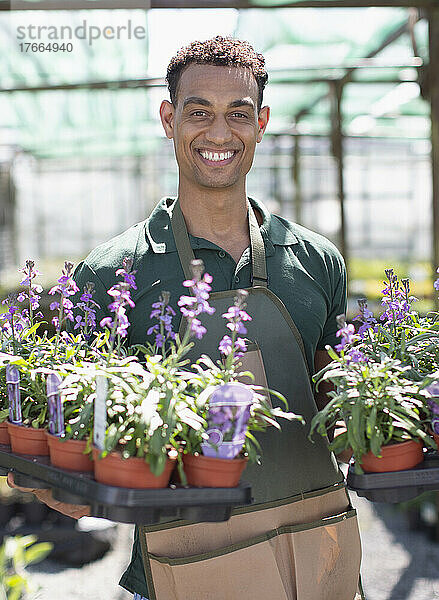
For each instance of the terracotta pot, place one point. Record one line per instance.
(205, 471)
(129, 472)
(27, 440)
(69, 454)
(395, 457)
(4, 435)
(436, 439)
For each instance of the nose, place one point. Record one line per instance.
(219, 131)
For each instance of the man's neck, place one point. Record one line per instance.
(219, 216)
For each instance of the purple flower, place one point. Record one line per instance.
(354, 355)
(106, 322)
(436, 283)
(79, 322)
(127, 274)
(226, 345)
(197, 329)
(33, 291)
(12, 321)
(87, 321)
(65, 287)
(433, 389)
(122, 296)
(396, 299)
(235, 316)
(365, 317)
(163, 313)
(119, 324)
(346, 332)
(193, 306)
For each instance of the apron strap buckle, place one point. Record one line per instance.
(260, 281)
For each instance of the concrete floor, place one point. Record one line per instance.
(398, 564)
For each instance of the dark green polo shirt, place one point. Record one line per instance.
(305, 271)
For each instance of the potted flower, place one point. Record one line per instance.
(216, 454)
(378, 374)
(215, 413)
(31, 356)
(137, 449)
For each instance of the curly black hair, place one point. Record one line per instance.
(217, 51)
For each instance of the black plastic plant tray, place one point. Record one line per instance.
(124, 505)
(397, 486)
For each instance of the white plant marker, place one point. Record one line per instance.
(56, 413)
(100, 412)
(13, 387)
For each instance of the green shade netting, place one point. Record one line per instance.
(300, 47)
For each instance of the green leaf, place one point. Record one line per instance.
(37, 552)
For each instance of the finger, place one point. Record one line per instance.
(76, 511)
(11, 483)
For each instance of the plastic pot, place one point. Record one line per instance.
(205, 471)
(4, 435)
(27, 440)
(69, 454)
(394, 457)
(131, 472)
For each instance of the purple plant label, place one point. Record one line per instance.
(433, 389)
(13, 387)
(100, 412)
(56, 413)
(227, 419)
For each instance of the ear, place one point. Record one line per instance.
(167, 111)
(264, 115)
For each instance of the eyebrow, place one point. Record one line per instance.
(204, 102)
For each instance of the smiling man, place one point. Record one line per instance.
(300, 540)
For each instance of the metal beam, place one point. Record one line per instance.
(336, 93)
(239, 4)
(153, 82)
(433, 20)
(398, 32)
(93, 85)
(296, 169)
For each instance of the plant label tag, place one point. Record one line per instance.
(56, 415)
(13, 387)
(100, 412)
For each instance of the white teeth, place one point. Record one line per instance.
(215, 156)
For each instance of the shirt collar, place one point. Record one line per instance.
(158, 229)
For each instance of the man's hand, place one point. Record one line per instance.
(76, 511)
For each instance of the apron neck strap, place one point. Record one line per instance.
(259, 266)
(186, 254)
(184, 248)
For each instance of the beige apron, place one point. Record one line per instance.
(301, 540)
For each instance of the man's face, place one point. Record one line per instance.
(215, 124)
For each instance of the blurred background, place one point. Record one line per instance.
(351, 151)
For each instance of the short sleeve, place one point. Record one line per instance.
(338, 304)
